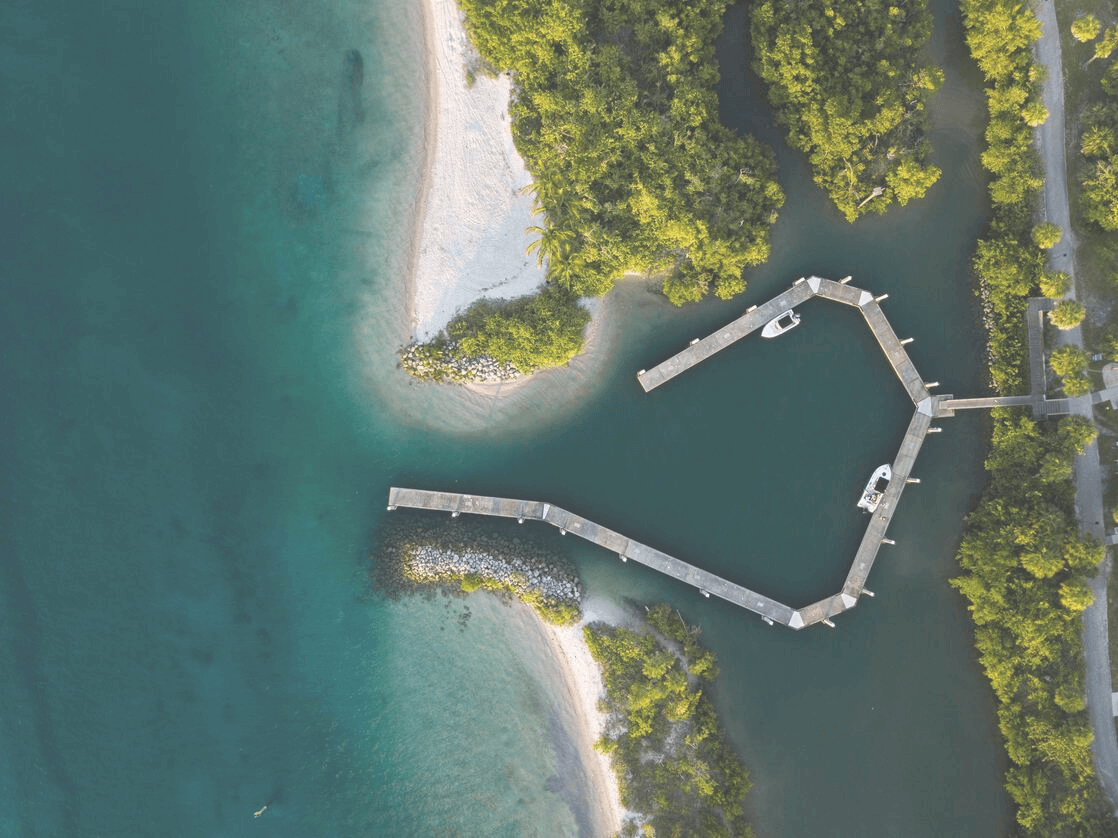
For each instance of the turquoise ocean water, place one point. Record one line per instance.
(204, 233)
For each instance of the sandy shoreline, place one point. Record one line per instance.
(584, 683)
(426, 156)
(470, 235)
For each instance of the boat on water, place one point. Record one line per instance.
(875, 488)
(781, 324)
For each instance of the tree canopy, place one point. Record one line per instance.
(1067, 314)
(617, 120)
(845, 79)
(1024, 564)
(673, 764)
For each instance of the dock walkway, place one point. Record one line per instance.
(1034, 323)
(803, 289)
(625, 548)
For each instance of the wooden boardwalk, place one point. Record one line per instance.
(1038, 374)
(948, 406)
(625, 548)
(729, 334)
(801, 291)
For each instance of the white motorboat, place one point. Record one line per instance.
(875, 488)
(781, 324)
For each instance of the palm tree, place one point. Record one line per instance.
(553, 244)
(1097, 141)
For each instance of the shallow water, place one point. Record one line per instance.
(203, 271)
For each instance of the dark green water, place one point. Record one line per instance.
(202, 273)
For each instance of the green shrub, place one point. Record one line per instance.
(1067, 314)
(1046, 236)
(1085, 28)
(1054, 284)
(530, 333)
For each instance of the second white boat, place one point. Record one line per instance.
(780, 324)
(875, 488)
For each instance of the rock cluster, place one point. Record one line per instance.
(445, 361)
(433, 563)
(417, 553)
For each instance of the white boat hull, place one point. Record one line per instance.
(784, 322)
(874, 492)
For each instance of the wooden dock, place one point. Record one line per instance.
(801, 291)
(948, 406)
(625, 548)
(927, 408)
(1038, 373)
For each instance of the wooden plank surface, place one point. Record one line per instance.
(615, 542)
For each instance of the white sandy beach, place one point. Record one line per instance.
(472, 240)
(584, 682)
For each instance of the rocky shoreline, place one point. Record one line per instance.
(463, 556)
(442, 360)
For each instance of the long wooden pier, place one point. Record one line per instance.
(615, 542)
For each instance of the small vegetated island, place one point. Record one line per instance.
(615, 115)
(846, 80)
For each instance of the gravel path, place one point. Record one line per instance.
(1052, 141)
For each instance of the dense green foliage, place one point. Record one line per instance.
(672, 761)
(616, 118)
(520, 336)
(1086, 28)
(1099, 181)
(1024, 573)
(1070, 363)
(1009, 265)
(529, 333)
(1024, 563)
(1047, 235)
(845, 79)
